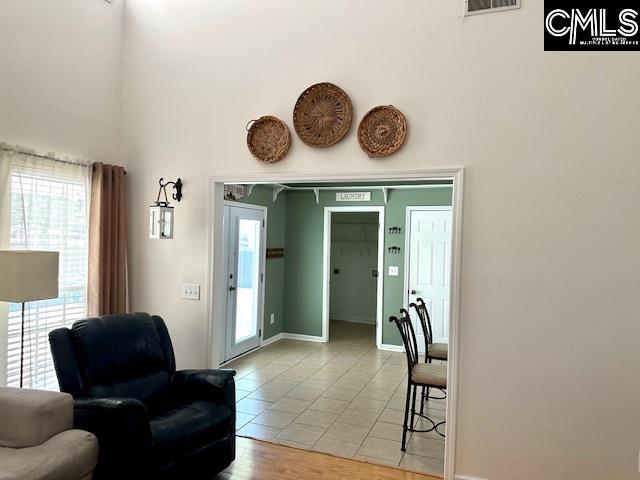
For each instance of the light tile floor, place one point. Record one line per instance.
(343, 397)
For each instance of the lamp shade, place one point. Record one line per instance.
(28, 275)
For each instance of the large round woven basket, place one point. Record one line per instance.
(382, 131)
(322, 115)
(268, 139)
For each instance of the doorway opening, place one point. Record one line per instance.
(353, 259)
(297, 267)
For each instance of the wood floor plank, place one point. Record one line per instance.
(256, 460)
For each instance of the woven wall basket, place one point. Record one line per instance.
(322, 115)
(382, 131)
(268, 139)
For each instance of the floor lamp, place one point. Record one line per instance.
(26, 276)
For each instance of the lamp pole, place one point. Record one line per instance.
(22, 347)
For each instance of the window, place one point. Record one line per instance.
(49, 211)
(484, 6)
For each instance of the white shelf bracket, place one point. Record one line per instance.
(316, 192)
(250, 188)
(276, 191)
(385, 193)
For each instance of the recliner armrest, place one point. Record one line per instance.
(123, 431)
(213, 385)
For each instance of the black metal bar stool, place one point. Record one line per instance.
(419, 375)
(433, 351)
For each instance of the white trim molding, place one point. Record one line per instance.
(272, 339)
(454, 326)
(291, 336)
(467, 477)
(304, 338)
(215, 301)
(391, 348)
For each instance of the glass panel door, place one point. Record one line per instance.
(245, 275)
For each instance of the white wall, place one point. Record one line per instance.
(60, 80)
(549, 331)
(60, 84)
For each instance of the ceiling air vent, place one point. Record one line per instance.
(486, 6)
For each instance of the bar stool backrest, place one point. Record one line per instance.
(408, 338)
(425, 320)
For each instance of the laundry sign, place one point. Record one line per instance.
(353, 197)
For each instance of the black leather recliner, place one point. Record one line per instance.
(151, 420)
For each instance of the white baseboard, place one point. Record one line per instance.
(391, 348)
(290, 336)
(270, 340)
(305, 338)
(346, 318)
(467, 477)
(312, 338)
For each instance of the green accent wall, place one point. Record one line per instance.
(274, 267)
(303, 266)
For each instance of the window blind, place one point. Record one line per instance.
(49, 211)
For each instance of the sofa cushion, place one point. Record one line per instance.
(70, 455)
(183, 427)
(31, 417)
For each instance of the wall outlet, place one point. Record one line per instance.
(394, 271)
(191, 291)
(272, 318)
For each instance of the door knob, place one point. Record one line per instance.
(413, 292)
(232, 288)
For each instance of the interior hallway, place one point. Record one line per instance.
(343, 397)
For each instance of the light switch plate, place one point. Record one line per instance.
(191, 291)
(393, 271)
(272, 318)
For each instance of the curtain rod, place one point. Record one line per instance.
(46, 157)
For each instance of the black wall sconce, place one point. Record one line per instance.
(161, 213)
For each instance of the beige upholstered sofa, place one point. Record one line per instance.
(37, 440)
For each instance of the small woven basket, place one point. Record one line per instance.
(268, 139)
(382, 131)
(322, 115)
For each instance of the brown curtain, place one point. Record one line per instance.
(108, 290)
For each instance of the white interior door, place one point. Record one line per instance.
(245, 251)
(429, 267)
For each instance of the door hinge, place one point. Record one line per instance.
(260, 333)
(262, 223)
(262, 277)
